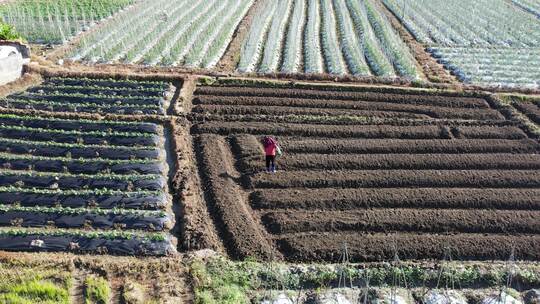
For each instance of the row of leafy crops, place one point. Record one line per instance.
(105, 96)
(45, 21)
(171, 33)
(482, 42)
(325, 36)
(79, 185)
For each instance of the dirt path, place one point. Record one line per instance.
(116, 290)
(76, 293)
(195, 225)
(227, 200)
(230, 59)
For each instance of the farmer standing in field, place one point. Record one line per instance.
(271, 149)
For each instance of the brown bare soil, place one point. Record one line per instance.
(376, 146)
(529, 109)
(115, 71)
(366, 131)
(489, 132)
(384, 172)
(243, 236)
(502, 161)
(399, 178)
(272, 94)
(411, 246)
(268, 106)
(28, 80)
(434, 170)
(277, 110)
(195, 226)
(507, 106)
(406, 220)
(350, 199)
(184, 103)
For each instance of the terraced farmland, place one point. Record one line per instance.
(385, 171)
(102, 96)
(325, 36)
(83, 186)
(132, 168)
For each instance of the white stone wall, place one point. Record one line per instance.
(11, 63)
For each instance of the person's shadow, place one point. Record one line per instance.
(237, 180)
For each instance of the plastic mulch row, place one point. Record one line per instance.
(80, 244)
(151, 183)
(113, 100)
(76, 166)
(74, 199)
(43, 149)
(89, 139)
(78, 125)
(76, 108)
(99, 221)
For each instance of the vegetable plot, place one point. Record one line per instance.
(417, 174)
(170, 33)
(104, 96)
(470, 23)
(325, 36)
(79, 174)
(504, 67)
(490, 43)
(57, 21)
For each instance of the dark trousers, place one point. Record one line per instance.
(270, 160)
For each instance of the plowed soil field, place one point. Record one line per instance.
(415, 174)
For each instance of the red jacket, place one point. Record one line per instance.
(270, 149)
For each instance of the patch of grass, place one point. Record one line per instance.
(205, 80)
(520, 98)
(35, 291)
(35, 284)
(418, 83)
(221, 281)
(96, 290)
